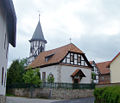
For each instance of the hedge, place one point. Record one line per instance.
(107, 94)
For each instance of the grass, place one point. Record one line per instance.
(9, 94)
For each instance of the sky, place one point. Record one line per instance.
(93, 26)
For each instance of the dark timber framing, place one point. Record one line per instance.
(76, 59)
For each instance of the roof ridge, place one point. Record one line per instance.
(115, 57)
(60, 47)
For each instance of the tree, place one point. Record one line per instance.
(32, 77)
(15, 72)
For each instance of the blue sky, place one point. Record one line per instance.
(93, 25)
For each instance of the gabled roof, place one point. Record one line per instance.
(103, 67)
(114, 58)
(38, 34)
(59, 54)
(78, 71)
(8, 8)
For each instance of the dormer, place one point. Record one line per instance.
(47, 58)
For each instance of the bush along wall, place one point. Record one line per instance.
(107, 94)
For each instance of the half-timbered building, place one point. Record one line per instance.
(95, 72)
(67, 64)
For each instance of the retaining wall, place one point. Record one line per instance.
(2, 99)
(52, 93)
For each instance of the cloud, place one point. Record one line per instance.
(93, 26)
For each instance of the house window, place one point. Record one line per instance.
(72, 57)
(68, 60)
(7, 52)
(75, 56)
(2, 76)
(102, 78)
(75, 61)
(82, 62)
(48, 57)
(5, 80)
(43, 76)
(79, 59)
(5, 41)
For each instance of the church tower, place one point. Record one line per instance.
(37, 43)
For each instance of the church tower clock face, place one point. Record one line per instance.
(37, 43)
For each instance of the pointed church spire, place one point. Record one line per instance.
(37, 43)
(38, 34)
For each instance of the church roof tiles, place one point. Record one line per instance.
(59, 54)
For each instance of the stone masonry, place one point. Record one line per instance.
(53, 93)
(2, 99)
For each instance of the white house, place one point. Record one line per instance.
(115, 69)
(7, 35)
(68, 64)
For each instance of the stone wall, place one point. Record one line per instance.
(52, 93)
(2, 99)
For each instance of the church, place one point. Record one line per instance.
(67, 64)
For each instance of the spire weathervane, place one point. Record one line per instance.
(70, 39)
(39, 14)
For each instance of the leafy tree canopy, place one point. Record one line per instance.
(32, 76)
(15, 72)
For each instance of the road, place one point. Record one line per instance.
(28, 100)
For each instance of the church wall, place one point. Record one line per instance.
(62, 74)
(3, 51)
(66, 72)
(51, 69)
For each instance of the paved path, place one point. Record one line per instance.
(28, 100)
(82, 100)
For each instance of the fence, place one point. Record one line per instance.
(53, 85)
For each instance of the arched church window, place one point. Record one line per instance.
(51, 75)
(50, 78)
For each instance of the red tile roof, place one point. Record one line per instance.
(103, 67)
(59, 54)
(78, 71)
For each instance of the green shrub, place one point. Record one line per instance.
(50, 78)
(107, 94)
